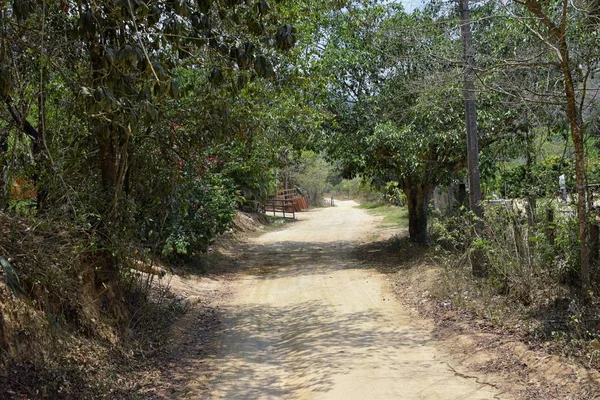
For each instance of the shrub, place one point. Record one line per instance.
(203, 209)
(542, 180)
(519, 255)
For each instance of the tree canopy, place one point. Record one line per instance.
(155, 119)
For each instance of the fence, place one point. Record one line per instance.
(287, 202)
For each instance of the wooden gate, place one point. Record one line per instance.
(286, 202)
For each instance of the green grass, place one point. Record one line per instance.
(392, 215)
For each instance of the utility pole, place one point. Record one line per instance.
(478, 267)
(470, 111)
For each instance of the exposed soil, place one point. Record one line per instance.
(332, 306)
(324, 309)
(506, 358)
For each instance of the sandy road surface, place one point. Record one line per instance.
(305, 321)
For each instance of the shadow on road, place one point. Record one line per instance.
(290, 258)
(281, 351)
(265, 341)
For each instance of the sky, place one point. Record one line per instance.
(410, 5)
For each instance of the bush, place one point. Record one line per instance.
(394, 195)
(358, 189)
(312, 177)
(519, 256)
(541, 181)
(203, 209)
(453, 232)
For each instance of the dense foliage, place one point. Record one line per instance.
(143, 125)
(119, 112)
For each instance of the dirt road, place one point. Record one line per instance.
(306, 320)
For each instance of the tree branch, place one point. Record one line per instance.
(21, 122)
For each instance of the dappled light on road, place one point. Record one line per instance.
(308, 319)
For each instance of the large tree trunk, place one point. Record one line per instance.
(39, 147)
(101, 129)
(417, 198)
(106, 266)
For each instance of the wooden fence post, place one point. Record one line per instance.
(550, 228)
(594, 240)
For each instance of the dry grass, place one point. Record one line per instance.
(64, 334)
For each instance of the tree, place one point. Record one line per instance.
(391, 91)
(139, 111)
(421, 154)
(470, 113)
(562, 34)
